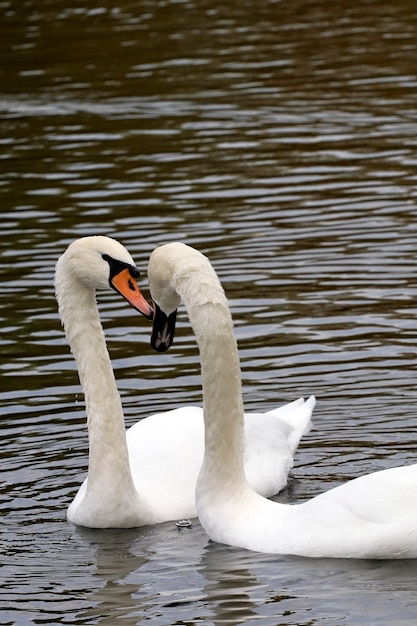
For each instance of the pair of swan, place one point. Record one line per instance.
(374, 516)
(148, 474)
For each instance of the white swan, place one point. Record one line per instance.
(147, 475)
(374, 516)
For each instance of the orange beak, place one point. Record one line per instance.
(127, 286)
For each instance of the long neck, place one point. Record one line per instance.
(108, 456)
(210, 318)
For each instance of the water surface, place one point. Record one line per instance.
(279, 139)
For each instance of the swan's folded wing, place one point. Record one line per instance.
(268, 456)
(165, 455)
(271, 439)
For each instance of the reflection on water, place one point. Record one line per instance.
(278, 138)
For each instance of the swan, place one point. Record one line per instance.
(148, 474)
(370, 517)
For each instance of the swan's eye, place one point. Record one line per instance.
(117, 266)
(134, 272)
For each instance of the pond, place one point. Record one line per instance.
(280, 140)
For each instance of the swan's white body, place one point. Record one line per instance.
(148, 474)
(374, 516)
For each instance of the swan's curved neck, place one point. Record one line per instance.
(212, 323)
(108, 456)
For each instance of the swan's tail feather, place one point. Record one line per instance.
(297, 414)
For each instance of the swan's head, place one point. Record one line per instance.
(99, 262)
(162, 272)
(179, 272)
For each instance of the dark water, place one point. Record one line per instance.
(280, 139)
